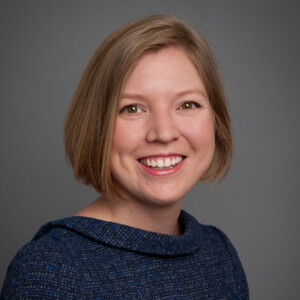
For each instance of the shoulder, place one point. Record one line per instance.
(216, 237)
(45, 268)
(216, 240)
(220, 249)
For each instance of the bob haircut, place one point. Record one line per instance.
(89, 125)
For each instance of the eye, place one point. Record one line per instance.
(131, 109)
(189, 105)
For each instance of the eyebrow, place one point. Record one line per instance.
(192, 91)
(179, 94)
(132, 96)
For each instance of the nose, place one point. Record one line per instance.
(162, 128)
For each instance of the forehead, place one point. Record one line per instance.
(167, 69)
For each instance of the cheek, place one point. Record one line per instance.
(119, 137)
(126, 137)
(119, 143)
(201, 134)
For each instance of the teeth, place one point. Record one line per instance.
(168, 162)
(162, 163)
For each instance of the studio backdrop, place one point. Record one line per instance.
(45, 46)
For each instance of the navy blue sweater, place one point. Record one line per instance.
(85, 258)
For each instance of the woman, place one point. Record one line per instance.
(147, 122)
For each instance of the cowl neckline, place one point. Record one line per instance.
(133, 239)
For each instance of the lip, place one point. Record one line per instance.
(163, 172)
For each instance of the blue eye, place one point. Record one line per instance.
(189, 105)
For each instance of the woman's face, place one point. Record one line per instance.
(164, 134)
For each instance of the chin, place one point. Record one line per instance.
(166, 198)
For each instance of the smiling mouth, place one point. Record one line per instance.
(161, 163)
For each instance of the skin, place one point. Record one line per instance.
(163, 111)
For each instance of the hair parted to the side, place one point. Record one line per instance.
(89, 125)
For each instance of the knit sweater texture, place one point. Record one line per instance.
(85, 258)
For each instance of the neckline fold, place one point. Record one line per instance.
(134, 239)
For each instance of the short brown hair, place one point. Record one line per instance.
(90, 121)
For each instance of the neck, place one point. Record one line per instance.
(160, 219)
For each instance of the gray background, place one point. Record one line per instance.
(44, 48)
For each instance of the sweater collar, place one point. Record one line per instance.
(134, 239)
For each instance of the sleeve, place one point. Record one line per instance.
(41, 271)
(238, 279)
